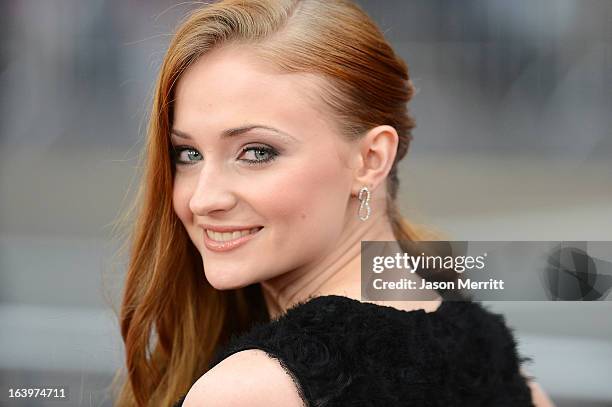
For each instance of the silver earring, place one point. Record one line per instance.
(364, 197)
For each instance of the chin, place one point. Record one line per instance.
(225, 280)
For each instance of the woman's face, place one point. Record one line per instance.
(294, 181)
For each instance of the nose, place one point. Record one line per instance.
(212, 192)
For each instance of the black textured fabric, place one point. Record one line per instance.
(343, 352)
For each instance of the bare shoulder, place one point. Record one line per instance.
(538, 396)
(246, 378)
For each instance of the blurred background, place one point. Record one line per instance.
(513, 142)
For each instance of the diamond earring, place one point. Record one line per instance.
(364, 198)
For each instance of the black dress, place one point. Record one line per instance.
(343, 352)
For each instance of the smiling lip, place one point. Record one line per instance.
(217, 246)
(229, 228)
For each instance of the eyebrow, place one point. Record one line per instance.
(237, 131)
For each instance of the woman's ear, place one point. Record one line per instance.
(374, 157)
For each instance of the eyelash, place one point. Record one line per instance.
(177, 150)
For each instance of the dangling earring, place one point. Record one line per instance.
(364, 197)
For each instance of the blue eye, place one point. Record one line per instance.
(260, 154)
(185, 155)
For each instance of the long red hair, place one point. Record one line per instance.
(172, 319)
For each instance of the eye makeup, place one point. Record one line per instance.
(187, 155)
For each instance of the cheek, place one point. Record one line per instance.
(310, 196)
(181, 194)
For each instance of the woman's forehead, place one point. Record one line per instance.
(229, 86)
(236, 73)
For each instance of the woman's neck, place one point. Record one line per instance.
(338, 273)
